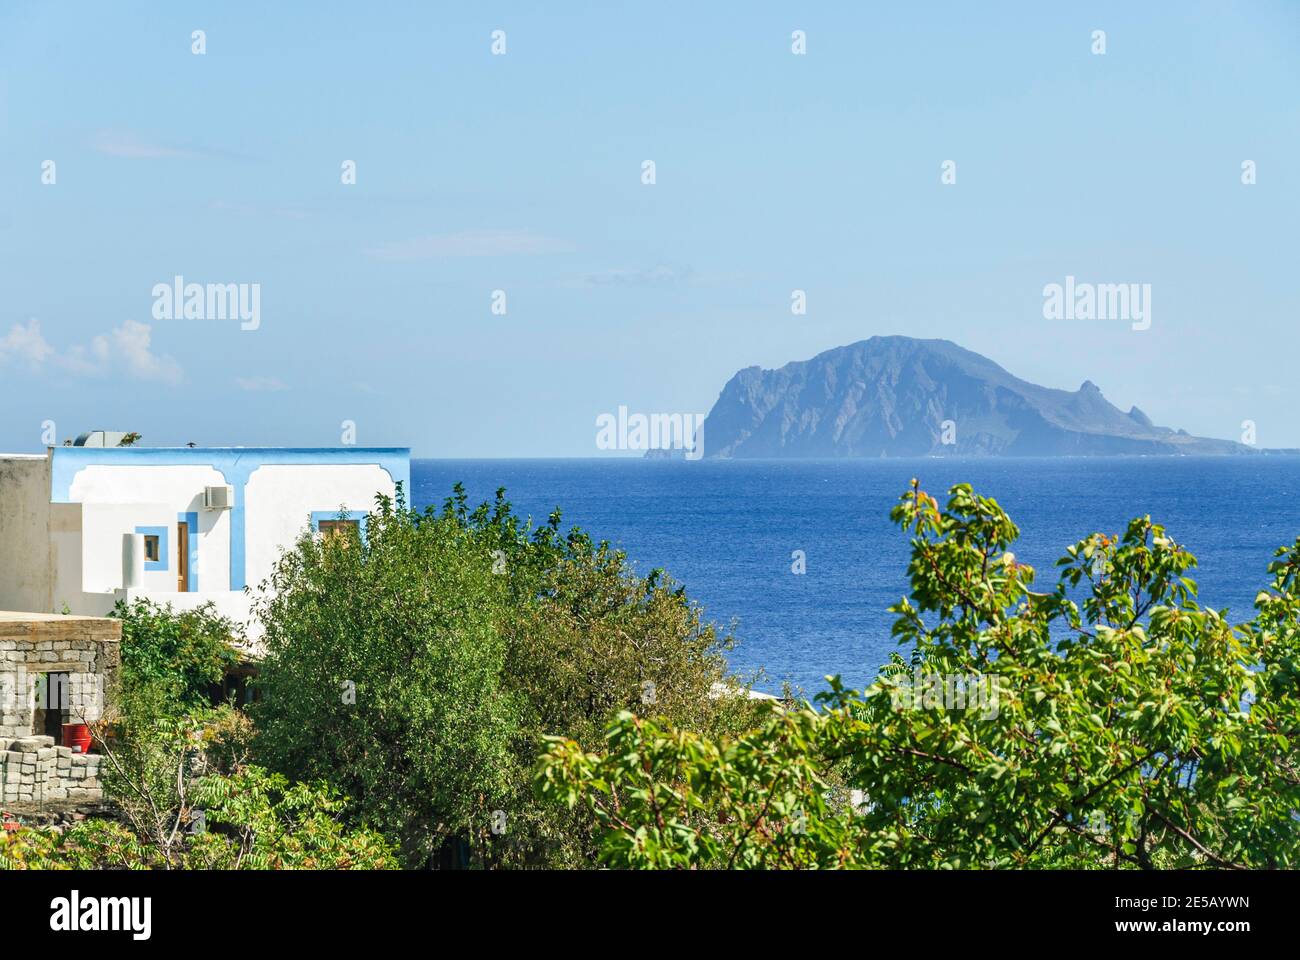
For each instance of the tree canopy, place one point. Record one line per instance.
(418, 663)
(1111, 720)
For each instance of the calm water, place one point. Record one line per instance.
(726, 529)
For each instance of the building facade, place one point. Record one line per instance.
(84, 526)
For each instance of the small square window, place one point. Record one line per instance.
(334, 528)
(151, 548)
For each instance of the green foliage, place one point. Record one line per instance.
(169, 659)
(87, 845)
(587, 637)
(253, 821)
(468, 635)
(1135, 729)
(189, 800)
(257, 820)
(665, 797)
(152, 761)
(382, 675)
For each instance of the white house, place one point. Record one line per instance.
(83, 526)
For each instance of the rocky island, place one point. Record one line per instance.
(903, 397)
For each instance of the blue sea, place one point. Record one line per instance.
(728, 529)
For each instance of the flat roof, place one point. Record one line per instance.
(199, 449)
(28, 627)
(182, 449)
(235, 463)
(19, 616)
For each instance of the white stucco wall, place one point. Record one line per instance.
(103, 526)
(67, 591)
(280, 500)
(180, 490)
(26, 569)
(65, 552)
(68, 554)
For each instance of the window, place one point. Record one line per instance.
(333, 528)
(155, 546)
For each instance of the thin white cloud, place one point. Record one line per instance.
(127, 348)
(474, 243)
(117, 143)
(126, 145)
(660, 275)
(261, 384)
(254, 210)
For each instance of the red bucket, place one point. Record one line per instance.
(76, 736)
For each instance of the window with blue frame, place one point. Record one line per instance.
(155, 547)
(332, 523)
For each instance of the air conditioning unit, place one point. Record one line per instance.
(218, 498)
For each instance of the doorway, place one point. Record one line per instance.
(182, 557)
(52, 701)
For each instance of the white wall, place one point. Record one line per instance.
(26, 567)
(103, 526)
(52, 555)
(180, 487)
(179, 490)
(280, 499)
(65, 553)
(66, 561)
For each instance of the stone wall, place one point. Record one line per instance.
(33, 771)
(84, 650)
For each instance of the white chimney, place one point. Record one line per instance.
(133, 561)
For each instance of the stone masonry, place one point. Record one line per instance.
(33, 771)
(82, 653)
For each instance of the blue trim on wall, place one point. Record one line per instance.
(191, 521)
(162, 533)
(358, 515)
(236, 465)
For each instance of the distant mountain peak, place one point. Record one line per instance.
(1140, 417)
(902, 396)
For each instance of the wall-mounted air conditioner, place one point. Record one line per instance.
(218, 498)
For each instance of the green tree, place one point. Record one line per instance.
(1135, 728)
(151, 763)
(381, 676)
(586, 637)
(172, 660)
(418, 668)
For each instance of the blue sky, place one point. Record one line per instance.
(522, 173)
